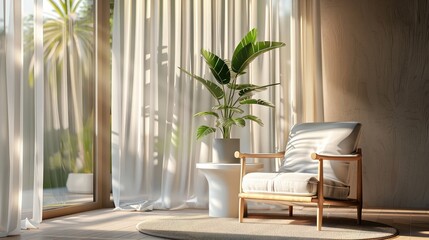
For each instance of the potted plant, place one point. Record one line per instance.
(80, 179)
(231, 97)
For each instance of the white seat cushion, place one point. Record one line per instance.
(296, 184)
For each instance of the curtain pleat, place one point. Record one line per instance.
(39, 95)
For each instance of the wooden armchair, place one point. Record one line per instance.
(314, 170)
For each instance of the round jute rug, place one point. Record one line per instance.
(198, 225)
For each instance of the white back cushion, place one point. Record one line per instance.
(325, 138)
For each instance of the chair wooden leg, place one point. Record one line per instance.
(359, 188)
(320, 198)
(290, 211)
(241, 204)
(359, 214)
(319, 216)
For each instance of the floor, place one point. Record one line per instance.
(109, 224)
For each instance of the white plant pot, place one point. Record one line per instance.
(80, 183)
(224, 149)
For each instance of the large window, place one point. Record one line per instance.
(69, 97)
(60, 87)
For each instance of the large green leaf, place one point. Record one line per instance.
(200, 114)
(240, 86)
(250, 90)
(216, 91)
(204, 130)
(248, 53)
(254, 119)
(249, 38)
(258, 102)
(229, 122)
(217, 66)
(239, 122)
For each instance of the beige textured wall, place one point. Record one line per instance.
(376, 71)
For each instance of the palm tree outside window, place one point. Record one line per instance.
(68, 52)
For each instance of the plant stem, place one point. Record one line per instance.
(224, 112)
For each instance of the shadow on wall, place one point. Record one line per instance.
(375, 72)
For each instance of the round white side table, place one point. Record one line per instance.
(224, 186)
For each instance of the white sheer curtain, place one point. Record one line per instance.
(302, 94)
(306, 62)
(11, 119)
(154, 149)
(21, 144)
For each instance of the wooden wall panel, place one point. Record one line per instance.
(376, 71)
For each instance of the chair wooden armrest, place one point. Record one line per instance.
(238, 154)
(345, 157)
